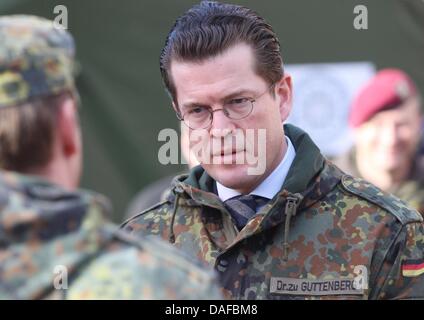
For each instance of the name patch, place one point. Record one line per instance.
(341, 286)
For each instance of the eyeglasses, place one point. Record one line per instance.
(201, 117)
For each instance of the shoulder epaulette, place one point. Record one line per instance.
(388, 202)
(155, 206)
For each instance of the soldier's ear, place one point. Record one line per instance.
(68, 127)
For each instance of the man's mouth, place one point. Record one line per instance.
(229, 157)
(226, 152)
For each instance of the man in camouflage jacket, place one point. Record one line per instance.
(321, 233)
(319, 227)
(55, 240)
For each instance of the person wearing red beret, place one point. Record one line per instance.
(386, 118)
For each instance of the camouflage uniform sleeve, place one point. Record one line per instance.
(402, 272)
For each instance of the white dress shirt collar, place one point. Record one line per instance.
(271, 185)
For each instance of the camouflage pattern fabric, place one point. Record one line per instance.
(45, 230)
(36, 59)
(325, 235)
(411, 190)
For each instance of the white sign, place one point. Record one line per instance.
(323, 94)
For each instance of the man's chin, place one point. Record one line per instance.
(390, 164)
(230, 175)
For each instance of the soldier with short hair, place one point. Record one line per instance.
(301, 228)
(56, 241)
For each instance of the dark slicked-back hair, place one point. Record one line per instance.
(209, 28)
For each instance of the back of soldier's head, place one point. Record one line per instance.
(36, 76)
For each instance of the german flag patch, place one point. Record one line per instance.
(412, 268)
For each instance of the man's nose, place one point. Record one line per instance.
(389, 135)
(221, 124)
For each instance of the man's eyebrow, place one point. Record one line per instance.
(193, 105)
(238, 93)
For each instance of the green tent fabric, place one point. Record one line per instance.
(125, 106)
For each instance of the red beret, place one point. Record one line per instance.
(388, 88)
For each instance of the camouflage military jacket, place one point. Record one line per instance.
(324, 235)
(58, 244)
(411, 190)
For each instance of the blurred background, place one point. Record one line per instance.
(125, 105)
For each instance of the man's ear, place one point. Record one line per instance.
(175, 107)
(69, 130)
(285, 95)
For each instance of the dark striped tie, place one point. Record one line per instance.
(242, 208)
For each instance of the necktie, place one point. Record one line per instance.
(244, 207)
